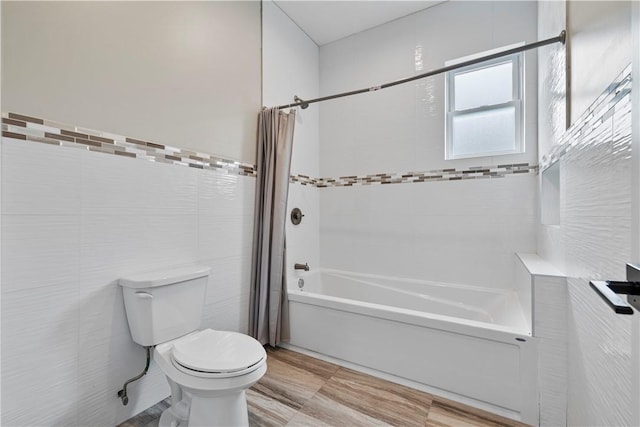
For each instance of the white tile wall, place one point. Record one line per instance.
(462, 232)
(599, 360)
(596, 60)
(552, 113)
(457, 232)
(303, 244)
(402, 128)
(155, 188)
(32, 185)
(291, 67)
(41, 352)
(593, 242)
(73, 222)
(548, 302)
(593, 238)
(1, 198)
(550, 296)
(40, 250)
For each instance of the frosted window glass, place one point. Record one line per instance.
(488, 131)
(486, 86)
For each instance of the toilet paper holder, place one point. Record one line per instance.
(610, 291)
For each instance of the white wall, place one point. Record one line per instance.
(0, 222)
(635, 200)
(453, 232)
(552, 301)
(463, 232)
(290, 67)
(74, 221)
(600, 45)
(185, 74)
(593, 238)
(402, 128)
(552, 105)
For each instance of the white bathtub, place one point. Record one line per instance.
(464, 342)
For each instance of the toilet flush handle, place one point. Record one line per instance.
(144, 295)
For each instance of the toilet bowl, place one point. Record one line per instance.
(208, 370)
(213, 369)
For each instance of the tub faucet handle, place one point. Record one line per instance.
(304, 266)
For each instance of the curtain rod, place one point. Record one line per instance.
(304, 104)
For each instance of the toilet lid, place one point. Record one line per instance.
(218, 351)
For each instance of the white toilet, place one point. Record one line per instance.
(208, 370)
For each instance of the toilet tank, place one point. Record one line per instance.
(165, 304)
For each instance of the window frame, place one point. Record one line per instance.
(517, 61)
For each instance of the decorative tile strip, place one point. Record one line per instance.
(614, 102)
(19, 126)
(451, 174)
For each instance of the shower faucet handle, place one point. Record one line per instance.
(304, 266)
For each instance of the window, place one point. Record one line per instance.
(484, 114)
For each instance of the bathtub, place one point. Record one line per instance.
(468, 343)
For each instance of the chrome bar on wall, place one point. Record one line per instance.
(304, 104)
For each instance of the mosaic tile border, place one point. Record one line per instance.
(476, 172)
(19, 126)
(615, 100)
(34, 129)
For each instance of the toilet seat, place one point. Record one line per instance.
(217, 354)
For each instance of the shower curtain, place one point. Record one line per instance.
(268, 308)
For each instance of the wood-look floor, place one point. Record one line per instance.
(299, 390)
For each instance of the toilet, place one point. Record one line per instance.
(208, 370)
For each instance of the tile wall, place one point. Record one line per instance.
(399, 230)
(452, 231)
(460, 221)
(402, 128)
(552, 123)
(291, 67)
(81, 208)
(420, 230)
(593, 238)
(593, 242)
(74, 220)
(600, 33)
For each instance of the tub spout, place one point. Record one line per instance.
(304, 266)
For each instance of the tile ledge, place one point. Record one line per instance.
(537, 266)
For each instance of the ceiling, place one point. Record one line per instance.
(328, 21)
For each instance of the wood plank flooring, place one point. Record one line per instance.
(299, 390)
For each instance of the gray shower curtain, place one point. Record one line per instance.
(268, 308)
